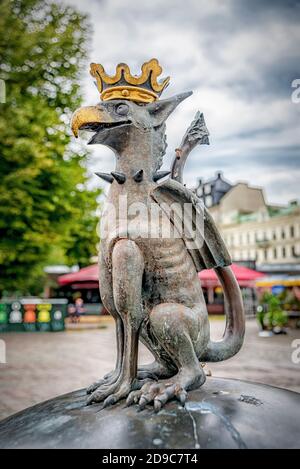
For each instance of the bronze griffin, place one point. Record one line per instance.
(149, 283)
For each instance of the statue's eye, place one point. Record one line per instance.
(122, 109)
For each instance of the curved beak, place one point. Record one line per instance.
(89, 117)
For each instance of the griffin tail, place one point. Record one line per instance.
(235, 320)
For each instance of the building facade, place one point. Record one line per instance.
(257, 234)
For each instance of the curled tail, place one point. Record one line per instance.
(235, 320)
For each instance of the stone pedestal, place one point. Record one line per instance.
(224, 413)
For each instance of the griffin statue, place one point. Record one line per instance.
(149, 275)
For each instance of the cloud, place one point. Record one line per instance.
(239, 57)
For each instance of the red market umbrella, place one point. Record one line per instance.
(86, 274)
(245, 277)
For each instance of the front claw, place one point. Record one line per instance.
(158, 394)
(114, 398)
(100, 395)
(111, 395)
(107, 380)
(169, 393)
(95, 386)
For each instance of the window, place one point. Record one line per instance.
(274, 253)
(200, 191)
(292, 231)
(294, 254)
(274, 235)
(207, 189)
(282, 233)
(208, 201)
(283, 251)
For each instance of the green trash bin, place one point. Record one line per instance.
(3, 317)
(58, 314)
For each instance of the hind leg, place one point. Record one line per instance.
(181, 331)
(163, 366)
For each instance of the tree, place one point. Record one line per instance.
(44, 199)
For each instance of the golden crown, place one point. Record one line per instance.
(143, 89)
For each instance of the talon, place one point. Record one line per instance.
(90, 400)
(132, 398)
(96, 396)
(129, 401)
(110, 400)
(95, 386)
(142, 403)
(182, 397)
(157, 405)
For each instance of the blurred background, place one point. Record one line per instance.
(241, 59)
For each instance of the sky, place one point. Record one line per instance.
(239, 57)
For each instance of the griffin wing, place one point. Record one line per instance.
(200, 233)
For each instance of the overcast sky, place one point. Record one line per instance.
(238, 56)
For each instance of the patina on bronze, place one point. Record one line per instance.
(150, 284)
(225, 413)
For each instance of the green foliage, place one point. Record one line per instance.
(271, 314)
(44, 199)
(289, 300)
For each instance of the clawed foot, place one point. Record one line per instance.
(161, 392)
(107, 380)
(110, 393)
(143, 392)
(145, 373)
(158, 394)
(98, 393)
(110, 396)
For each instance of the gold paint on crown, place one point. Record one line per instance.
(130, 91)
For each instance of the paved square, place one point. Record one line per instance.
(43, 365)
